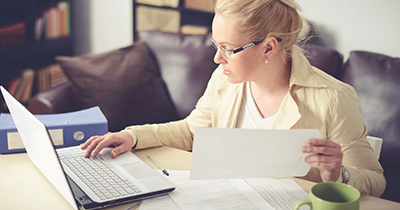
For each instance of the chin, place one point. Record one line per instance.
(234, 81)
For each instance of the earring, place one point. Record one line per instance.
(266, 60)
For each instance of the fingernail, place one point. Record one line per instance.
(114, 154)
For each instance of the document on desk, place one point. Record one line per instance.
(207, 194)
(223, 153)
(279, 193)
(266, 193)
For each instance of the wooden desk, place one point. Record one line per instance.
(22, 185)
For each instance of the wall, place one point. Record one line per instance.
(347, 25)
(101, 25)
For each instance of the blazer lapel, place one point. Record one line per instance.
(288, 114)
(231, 100)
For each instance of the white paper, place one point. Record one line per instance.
(281, 194)
(159, 203)
(214, 194)
(222, 153)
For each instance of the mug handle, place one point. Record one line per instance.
(302, 202)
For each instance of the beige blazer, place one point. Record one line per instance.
(314, 100)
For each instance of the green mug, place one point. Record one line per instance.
(332, 196)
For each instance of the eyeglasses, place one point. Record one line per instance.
(229, 53)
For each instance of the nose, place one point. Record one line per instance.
(219, 58)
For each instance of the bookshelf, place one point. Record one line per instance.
(195, 15)
(44, 32)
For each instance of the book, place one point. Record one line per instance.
(62, 17)
(12, 86)
(160, 3)
(12, 36)
(203, 5)
(194, 29)
(41, 80)
(67, 18)
(56, 75)
(24, 89)
(28, 76)
(21, 87)
(157, 19)
(52, 23)
(56, 21)
(39, 28)
(50, 76)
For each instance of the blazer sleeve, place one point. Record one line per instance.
(347, 128)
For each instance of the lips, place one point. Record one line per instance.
(226, 72)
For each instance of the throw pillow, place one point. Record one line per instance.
(186, 64)
(124, 83)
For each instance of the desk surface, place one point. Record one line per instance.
(24, 187)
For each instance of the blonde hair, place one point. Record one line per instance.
(265, 18)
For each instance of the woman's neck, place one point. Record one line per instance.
(273, 81)
(270, 88)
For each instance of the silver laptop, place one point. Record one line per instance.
(86, 183)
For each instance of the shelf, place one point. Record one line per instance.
(188, 16)
(155, 6)
(179, 8)
(34, 50)
(196, 17)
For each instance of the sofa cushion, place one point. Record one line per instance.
(124, 83)
(186, 64)
(326, 59)
(376, 79)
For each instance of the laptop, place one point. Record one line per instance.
(123, 179)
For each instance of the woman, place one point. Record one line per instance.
(265, 82)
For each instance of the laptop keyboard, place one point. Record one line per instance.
(97, 174)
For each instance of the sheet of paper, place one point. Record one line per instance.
(164, 202)
(222, 153)
(209, 194)
(282, 194)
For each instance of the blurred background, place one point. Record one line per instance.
(34, 32)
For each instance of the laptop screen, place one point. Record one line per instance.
(38, 145)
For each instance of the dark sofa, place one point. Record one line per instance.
(184, 63)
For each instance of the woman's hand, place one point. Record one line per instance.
(121, 140)
(328, 158)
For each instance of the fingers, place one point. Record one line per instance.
(329, 166)
(327, 158)
(320, 150)
(121, 140)
(91, 145)
(322, 142)
(319, 160)
(116, 151)
(326, 152)
(322, 146)
(95, 144)
(87, 143)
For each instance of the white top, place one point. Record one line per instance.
(249, 116)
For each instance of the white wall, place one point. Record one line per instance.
(101, 25)
(348, 25)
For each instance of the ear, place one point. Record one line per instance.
(271, 46)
